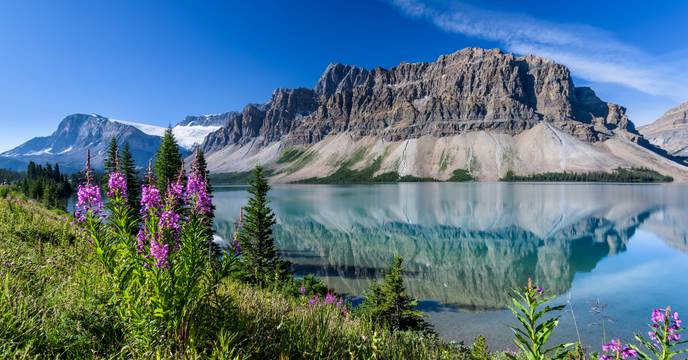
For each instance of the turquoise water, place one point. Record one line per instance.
(612, 252)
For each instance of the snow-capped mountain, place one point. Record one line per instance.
(78, 133)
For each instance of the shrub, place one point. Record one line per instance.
(387, 302)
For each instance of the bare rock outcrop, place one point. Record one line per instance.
(470, 90)
(670, 131)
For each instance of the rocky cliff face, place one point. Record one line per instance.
(470, 90)
(670, 131)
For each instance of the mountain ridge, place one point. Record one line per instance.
(77, 133)
(480, 110)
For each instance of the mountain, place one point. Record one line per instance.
(479, 110)
(78, 133)
(670, 131)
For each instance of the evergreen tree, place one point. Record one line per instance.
(128, 168)
(479, 350)
(199, 165)
(255, 235)
(388, 303)
(202, 167)
(168, 160)
(111, 157)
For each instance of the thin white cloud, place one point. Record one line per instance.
(591, 54)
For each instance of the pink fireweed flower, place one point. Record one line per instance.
(666, 326)
(150, 198)
(175, 191)
(117, 185)
(159, 251)
(330, 299)
(628, 353)
(657, 315)
(197, 195)
(169, 220)
(614, 348)
(677, 321)
(236, 246)
(141, 239)
(89, 202)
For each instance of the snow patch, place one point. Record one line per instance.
(187, 136)
(65, 150)
(191, 135)
(46, 151)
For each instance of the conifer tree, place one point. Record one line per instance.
(111, 156)
(255, 235)
(199, 166)
(202, 166)
(128, 168)
(388, 303)
(168, 160)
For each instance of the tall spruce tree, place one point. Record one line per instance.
(111, 157)
(168, 160)
(128, 169)
(263, 263)
(201, 166)
(388, 303)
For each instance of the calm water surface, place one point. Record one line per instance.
(610, 251)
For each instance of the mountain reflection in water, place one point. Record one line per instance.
(465, 245)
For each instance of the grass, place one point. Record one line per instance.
(49, 304)
(619, 175)
(289, 155)
(52, 305)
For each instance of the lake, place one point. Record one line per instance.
(610, 251)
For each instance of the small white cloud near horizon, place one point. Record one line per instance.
(591, 53)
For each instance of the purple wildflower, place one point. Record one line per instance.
(657, 315)
(141, 239)
(175, 190)
(117, 185)
(159, 251)
(89, 202)
(197, 195)
(169, 220)
(302, 290)
(236, 245)
(340, 302)
(314, 300)
(330, 299)
(614, 348)
(150, 198)
(664, 322)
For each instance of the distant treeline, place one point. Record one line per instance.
(46, 184)
(618, 175)
(8, 176)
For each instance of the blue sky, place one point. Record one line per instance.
(157, 61)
